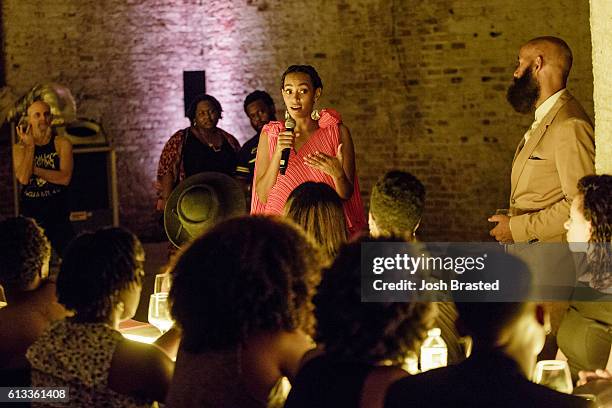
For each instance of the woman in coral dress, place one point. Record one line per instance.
(321, 150)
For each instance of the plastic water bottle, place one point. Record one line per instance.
(433, 351)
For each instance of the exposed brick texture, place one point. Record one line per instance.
(421, 84)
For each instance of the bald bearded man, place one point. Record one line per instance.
(43, 164)
(556, 151)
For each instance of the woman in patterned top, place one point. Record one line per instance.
(100, 281)
(198, 148)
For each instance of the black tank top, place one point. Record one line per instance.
(199, 157)
(45, 157)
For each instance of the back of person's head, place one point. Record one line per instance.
(317, 208)
(594, 195)
(487, 322)
(259, 96)
(396, 204)
(24, 253)
(368, 331)
(245, 276)
(96, 268)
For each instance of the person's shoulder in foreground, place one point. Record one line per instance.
(459, 386)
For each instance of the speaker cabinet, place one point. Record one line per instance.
(194, 84)
(92, 193)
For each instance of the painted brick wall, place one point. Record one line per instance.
(601, 28)
(420, 84)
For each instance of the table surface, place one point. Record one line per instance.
(139, 331)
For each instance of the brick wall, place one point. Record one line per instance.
(420, 84)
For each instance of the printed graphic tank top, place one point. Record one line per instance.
(45, 157)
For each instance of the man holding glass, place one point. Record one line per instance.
(555, 152)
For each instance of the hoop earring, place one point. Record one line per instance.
(315, 115)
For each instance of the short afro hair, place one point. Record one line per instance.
(191, 112)
(304, 69)
(245, 275)
(96, 267)
(371, 331)
(24, 250)
(397, 203)
(259, 96)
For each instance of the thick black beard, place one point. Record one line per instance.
(523, 93)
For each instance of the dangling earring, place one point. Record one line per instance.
(121, 307)
(287, 116)
(315, 115)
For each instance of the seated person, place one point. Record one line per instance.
(507, 339)
(397, 203)
(317, 208)
(241, 294)
(361, 346)
(585, 334)
(100, 280)
(31, 304)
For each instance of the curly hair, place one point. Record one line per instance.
(24, 250)
(317, 208)
(96, 267)
(368, 331)
(595, 192)
(304, 69)
(396, 203)
(191, 112)
(244, 276)
(259, 96)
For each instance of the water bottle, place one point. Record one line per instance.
(433, 351)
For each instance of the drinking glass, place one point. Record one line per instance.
(162, 283)
(554, 374)
(159, 312)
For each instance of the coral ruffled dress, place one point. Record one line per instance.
(326, 139)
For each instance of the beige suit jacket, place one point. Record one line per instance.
(546, 170)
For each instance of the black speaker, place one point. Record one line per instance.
(194, 84)
(92, 190)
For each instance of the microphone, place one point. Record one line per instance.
(284, 161)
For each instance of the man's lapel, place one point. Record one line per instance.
(524, 150)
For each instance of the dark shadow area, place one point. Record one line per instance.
(2, 48)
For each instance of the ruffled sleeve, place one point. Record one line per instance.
(329, 117)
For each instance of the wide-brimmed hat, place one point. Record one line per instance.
(199, 202)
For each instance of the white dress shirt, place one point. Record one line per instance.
(542, 111)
